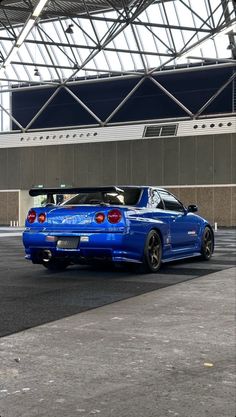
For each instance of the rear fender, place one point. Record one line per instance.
(140, 227)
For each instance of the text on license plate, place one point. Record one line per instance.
(68, 242)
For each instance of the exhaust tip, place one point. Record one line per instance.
(46, 255)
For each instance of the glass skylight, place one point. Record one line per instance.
(80, 40)
(154, 39)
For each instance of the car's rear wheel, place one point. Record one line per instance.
(207, 244)
(152, 252)
(56, 265)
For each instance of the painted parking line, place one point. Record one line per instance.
(10, 234)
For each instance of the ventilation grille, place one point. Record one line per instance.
(160, 130)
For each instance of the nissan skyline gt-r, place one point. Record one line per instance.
(128, 224)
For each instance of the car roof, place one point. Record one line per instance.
(141, 186)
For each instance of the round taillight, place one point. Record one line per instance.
(114, 216)
(41, 217)
(31, 216)
(99, 217)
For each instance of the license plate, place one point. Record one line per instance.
(68, 243)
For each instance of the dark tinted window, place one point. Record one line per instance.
(171, 203)
(129, 197)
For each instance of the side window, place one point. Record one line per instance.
(171, 203)
(154, 199)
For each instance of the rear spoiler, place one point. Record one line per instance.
(34, 192)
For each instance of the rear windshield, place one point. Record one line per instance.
(129, 197)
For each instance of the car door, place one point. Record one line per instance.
(184, 226)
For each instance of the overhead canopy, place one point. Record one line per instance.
(57, 43)
(17, 11)
(52, 41)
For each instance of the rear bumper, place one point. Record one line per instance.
(115, 247)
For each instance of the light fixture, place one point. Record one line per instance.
(25, 31)
(36, 72)
(31, 22)
(228, 29)
(23, 34)
(38, 9)
(69, 29)
(225, 31)
(231, 46)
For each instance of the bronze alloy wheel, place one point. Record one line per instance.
(153, 252)
(207, 244)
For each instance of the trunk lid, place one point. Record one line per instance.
(77, 218)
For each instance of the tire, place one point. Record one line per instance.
(207, 244)
(55, 265)
(152, 255)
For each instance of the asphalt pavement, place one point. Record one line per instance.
(118, 344)
(31, 295)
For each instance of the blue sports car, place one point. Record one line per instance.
(137, 224)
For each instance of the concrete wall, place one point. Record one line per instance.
(13, 207)
(9, 207)
(216, 204)
(206, 164)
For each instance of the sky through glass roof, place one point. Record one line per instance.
(56, 42)
(103, 38)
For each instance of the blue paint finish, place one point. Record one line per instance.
(181, 232)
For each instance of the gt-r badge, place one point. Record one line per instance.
(192, 232)
(81, 218)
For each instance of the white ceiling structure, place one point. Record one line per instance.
(56, 42)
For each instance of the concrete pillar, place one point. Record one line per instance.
(25, 203)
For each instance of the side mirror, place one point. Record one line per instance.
(192, 208)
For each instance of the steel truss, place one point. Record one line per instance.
(66, 61)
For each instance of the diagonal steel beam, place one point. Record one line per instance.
(225, 14)
(124, 101)
(11, 117)
(50, 56)
(32, 20)
(91, 22)
(196, 14)
(217, 93)
(75, 22)
(9, 25)
(68, 40)
(137, 12)
(171, 96)
(148, 26)
(83, 105)
(54, 44)
(213, 32)
(184, 50)
(42, 108)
